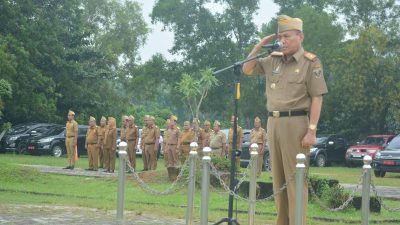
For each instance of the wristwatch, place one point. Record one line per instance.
(312, 127)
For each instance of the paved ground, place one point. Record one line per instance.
(383, 191)
(60, 215)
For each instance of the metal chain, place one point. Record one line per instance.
(173, 188)
(245, 174)
(214, 171)
(284, 186)
(380, 200)
(344, 205)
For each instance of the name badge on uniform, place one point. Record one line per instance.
(276, 71)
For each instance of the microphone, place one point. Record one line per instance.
(276, 45)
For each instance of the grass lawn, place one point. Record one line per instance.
(23, 185)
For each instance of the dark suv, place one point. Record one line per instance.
(15, 138)
(57, 145)
(388, 160)
(327, 149)
(44, 144)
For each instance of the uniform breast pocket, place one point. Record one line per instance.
(296, 78)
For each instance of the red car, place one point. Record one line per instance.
(369, 146)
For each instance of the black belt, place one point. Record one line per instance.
(277, 114)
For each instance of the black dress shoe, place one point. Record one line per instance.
(89, 169)
(67, 168)
(71, 167)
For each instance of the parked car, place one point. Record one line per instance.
(57, 145)
(15, 138)
(388, 160)
(245, 155)
(328, 149)
(369, 146)
(46, 143)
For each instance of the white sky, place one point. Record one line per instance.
(159, 41)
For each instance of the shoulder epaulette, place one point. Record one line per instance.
(277, 54)
(310, 56)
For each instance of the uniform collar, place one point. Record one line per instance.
(296, 56)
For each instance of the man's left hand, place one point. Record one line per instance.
(309, 139)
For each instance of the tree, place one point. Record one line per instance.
(209, 40)
(195, 91)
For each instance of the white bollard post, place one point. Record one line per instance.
(204, 186)
(192, 183)
(121, 181)
(300, 168)
(253, 183)
(366, 190)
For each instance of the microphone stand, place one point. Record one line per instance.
(237, 69)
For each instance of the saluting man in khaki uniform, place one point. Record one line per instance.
(101, 130)
(132, 137)
(71, 139)
(206, 134)
(142, 145)
(259, 137)
(151, 143)
(294, 88)
(187, 137)
(217, 140)
(238, 143)
(110, 144)
(91, 144)
(172, 140)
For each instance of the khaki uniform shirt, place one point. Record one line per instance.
(152, 133)
(206, 137)
(258, 136)
(217, 140)
(101, 131)
(172, 136)
(72, 130)
(110, 138)
(131, 133)
(187, 137)
(123, 133)
(291, 82)
(239, 137)
(92, 135)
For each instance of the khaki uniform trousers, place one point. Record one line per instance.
(69, 144)
(151, 156)
(110, 159)
(132, 153)
(172, 155)
(284, 138)
(101, 156)
(144, 158)
(184, 151)
(260, 159)
(93, 156)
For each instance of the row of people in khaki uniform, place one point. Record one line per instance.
(101, 141)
